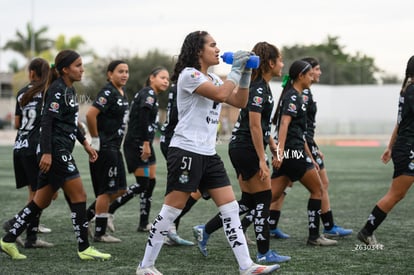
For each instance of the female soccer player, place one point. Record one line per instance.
(192, 159)
(59, 131)
(400, 150)
(138, 149)
(27, 121)
(107, 119)
(247, 150)
(330, 228)
(291, 162)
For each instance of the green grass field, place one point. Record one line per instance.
(358, 179)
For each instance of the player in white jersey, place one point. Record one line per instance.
(192, 159)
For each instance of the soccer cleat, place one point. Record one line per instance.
(11, 250)
(367, 239)
(146, 228)
(271, 256)
(37, 244)
(201, 237)
(43, 229)
(173, 236)
(93, 254)
(151, 270)
(106, 239)
(110, 223)
(322, 241)
(279, 234)
(337, 231)
(255, 269)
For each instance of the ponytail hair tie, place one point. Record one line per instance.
(285, 80)
(52, 65)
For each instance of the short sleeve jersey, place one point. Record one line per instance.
(27, 137)
(62, 107)
(260, 101)
(167, 129)
(198, 116)
(144, 100)
(311, 110)
(113, 116)
(292, 105)
(406, 116)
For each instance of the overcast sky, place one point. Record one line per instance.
(380, 29)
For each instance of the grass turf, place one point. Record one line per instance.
(358, 179)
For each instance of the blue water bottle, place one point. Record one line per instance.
(252, 63)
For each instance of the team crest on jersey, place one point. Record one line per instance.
(183, 178)
(292, 108)
(305, 99)
(101, 101)
(257, 101)
(149, 100)
(195, 74)
(54, 107)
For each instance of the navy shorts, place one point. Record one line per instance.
(294, 165)
(188, 171)
(133, 151)
(108, 172)
(245, 162)
(26, 170)
(63, 169)
(403, 159)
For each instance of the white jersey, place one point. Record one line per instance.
(198, 116)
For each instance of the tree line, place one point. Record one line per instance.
(338, 66)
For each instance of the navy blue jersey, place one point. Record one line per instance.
(260, 101)
(59, 124)
(143, 116)
(167, 129)
(406, 116)
(292, 105)
(113, 116)
(311, 110)
(27, 136)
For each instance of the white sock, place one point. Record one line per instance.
(234, 233)
(156, 235)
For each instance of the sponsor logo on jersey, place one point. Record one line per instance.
(211, 120)
(54, 107)
(293, 97)
(149, 100)
(101, 101)
(151, 92)
(305, 99)
(195, 74)
(292, 108)
(257, 101)
(107, 92)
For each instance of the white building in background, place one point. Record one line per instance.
(353, 110)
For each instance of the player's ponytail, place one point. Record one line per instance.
(409, 74)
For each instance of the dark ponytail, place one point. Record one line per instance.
(40, 67)
(409, 74)
(299, 67)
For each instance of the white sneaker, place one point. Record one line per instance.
(43, 229)
(255, 269)
(110, 223)
(322, 241)
(151, 270)
(38, 244)
(106, 239)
